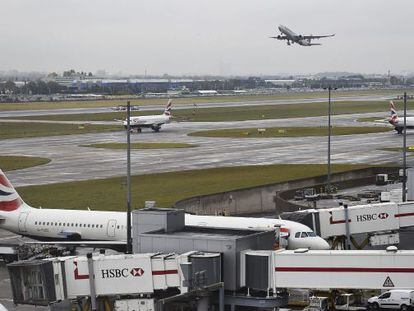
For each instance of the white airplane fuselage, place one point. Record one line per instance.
(149, 120)
(293, 37)
(80, 225)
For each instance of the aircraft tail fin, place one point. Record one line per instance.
(168, 108)
(393, 113)
(9, 198)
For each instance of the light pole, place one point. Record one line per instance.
(129, 240)
(404, 183)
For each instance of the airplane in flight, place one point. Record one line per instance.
(152, 121)
(397, 122)
(109, 229)
(291, 37)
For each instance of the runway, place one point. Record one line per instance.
(269, 102)
(71, 161)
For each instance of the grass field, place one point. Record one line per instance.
(191, 100)
(371, 119)
(141, 145)
(9, 163)
(288, 132)
(165, 188)
(236, 113)
(19, 130)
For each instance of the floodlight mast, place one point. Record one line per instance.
(404, 183)
(129, 240)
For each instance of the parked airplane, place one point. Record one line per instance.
(153, 121)
(291, 37)
(398, 123)
(109, 228)
(297, 234)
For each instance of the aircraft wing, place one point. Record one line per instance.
(280, 37)
(317, 37)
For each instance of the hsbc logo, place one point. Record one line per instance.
(383, 215)
(121, 273)
(370, 217)
(137, 271)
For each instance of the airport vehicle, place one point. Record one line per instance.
(124, 108)
(317, 304)
(393, 299)
(109, 228)
(398, 123)
(153, 122)
(347, 302)
(291, 37)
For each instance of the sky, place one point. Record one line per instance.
(215, 37)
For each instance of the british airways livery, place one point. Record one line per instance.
(102, 228)
(153, 122)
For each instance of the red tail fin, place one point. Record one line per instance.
(9, 198)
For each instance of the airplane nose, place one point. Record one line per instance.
(322, 244)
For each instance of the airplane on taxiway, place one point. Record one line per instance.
(109, 229)
(291, 37)
(153, 122)
(398, 123)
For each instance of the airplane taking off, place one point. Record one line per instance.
(291, 37)
(100, 228)
(153, 121)
(396, 122)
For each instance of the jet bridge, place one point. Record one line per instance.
(380, 222)
(336, 269)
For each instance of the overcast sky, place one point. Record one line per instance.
(205, 37)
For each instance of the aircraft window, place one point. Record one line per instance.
(84, 225)
(35, 222)
(55, 223)
(71, 224)
(101, 226)
(93, 226)
(89, 225)
(304, 235)
(60, 224)
(117, 227)
(76, 225)
(44, 223)
(47, 223)
(297, 235)
(311, 234)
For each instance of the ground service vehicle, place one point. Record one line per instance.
(393, 299)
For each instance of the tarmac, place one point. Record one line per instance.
(72, 162)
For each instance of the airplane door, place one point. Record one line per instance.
(22, 221)
(111, 227)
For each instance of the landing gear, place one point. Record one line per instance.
(288, 42)
(399, 130)
(156, 128)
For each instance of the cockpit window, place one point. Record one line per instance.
(311, 234)
(304, 235)
(297, 235)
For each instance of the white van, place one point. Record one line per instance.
(393, 299)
